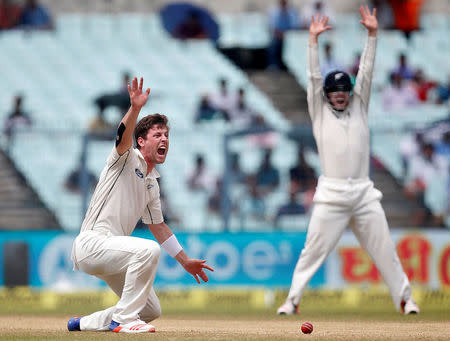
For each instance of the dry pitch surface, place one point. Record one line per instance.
(29, 327)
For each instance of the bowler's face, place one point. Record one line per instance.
(156, 145)
(339, 99)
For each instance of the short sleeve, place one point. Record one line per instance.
(114, 159)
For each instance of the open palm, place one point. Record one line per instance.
(369, 20)
(137, 97)
(195, 268)
(319, 24)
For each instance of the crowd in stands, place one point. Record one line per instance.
(28, 15)
(426, 153)
(409, 86)
(392, 14)
(426, 158)
(249, 191)
(226, 105)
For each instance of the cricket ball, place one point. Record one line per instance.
(307, 328)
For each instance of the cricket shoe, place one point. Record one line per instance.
(74, 324)
(288, 308)
(409, 307)
(134, 327)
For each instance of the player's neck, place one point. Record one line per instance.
(150, 165)
(150, 168)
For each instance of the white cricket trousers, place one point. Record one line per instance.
(128, 265)
(339, 203)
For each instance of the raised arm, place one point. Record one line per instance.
(315, 79)
(364, 78)
(124, 138)
(168, 241)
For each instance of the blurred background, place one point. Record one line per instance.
(238, 183)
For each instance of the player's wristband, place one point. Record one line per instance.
(172, 246)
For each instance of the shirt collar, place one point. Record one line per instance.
(154, 173)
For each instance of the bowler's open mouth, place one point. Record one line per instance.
(162, 150)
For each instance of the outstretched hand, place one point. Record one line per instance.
(137, 97)
(369, 20)
(195, 268)
(319, 25)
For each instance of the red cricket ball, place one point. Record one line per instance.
(307, 328)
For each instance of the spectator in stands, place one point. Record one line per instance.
(385, 16)
(398, 95)
(267, 176)
(302, 177)
(241, 115)
(10, 14)
(119, 99)
(205, 111)
(36, 16)
(403, 69)
(330, 63)
(406, 15)
(266, 140)
(223, 101)
(191, 28)
(313, 7)
(422, 85)
(281, 19)
(423, 168)
(200, 179)
(74, 181)
(17, 118)
(292, 207)
(237, 175)
(101, 128)
(443, 92)
(252, 203)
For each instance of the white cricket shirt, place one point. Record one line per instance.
(342, 138)
(123, 195)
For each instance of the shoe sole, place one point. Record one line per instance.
(120, 329)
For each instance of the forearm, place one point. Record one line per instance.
(368, 55)
(168, 241)
(162, 232)
(124, 139)
(313, 38)
(313, 59)
(364, 77)
(315, 79)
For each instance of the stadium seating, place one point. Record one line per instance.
(60, 73)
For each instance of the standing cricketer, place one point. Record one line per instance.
(128, 190)
(345, 195)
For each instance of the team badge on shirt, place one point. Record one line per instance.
(139, 173)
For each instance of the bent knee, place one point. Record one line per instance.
(151, 252)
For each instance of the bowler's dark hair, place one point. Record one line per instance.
(147, 123)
